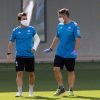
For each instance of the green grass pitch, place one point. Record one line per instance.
(87, 85)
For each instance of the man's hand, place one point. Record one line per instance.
(74, 53)
(47, 50)
(53, 45)
(33, 50)
(9, 58)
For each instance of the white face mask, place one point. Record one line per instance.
(61, 20)
(24, 22)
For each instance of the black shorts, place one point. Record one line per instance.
(26, 64)
(68, 62)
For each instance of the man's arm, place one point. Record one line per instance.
(53, 45)
(9, 51)
(77, 44)
(36, 40)
(9, 47)
(77, 37)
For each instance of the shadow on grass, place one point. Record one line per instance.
(83, 97)
(67, 97)
(41, 98)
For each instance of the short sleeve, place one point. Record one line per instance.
(57, 31)
(13, 37)
(77, 31)
(34, 31)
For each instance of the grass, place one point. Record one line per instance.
(87, 86)
(48, 95)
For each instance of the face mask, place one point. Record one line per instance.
(24, 22)
(61, 20)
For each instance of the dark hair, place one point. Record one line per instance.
(21, 14)
(64, 11)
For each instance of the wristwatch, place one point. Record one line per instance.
(8, 53)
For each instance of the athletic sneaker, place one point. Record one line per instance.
(59, 91)
(30, 94)
(71, 93)
(18, 94)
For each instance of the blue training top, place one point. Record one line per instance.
(24, 40)
(67, 33)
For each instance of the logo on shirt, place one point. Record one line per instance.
(19, 32)
(28, 31)
(69, 27)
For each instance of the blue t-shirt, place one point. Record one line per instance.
(24, 40)
(67, 33)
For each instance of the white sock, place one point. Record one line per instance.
(31, 89)
(20, 89)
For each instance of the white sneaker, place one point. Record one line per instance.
(30, 94)
(18, 94)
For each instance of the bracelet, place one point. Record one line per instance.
(8, 53)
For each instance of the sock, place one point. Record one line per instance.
(20, 89)
(30, 88)
(70, 89)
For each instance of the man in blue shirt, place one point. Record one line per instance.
(68, 39)
(24, 35)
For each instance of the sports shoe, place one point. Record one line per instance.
(18, 94)
(59, 91)
(30, 94)
(71, 93)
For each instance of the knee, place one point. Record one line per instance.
(56, 68)
(19, 74)
(71, 72)
(31, 75)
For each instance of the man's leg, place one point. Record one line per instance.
(19, 82)
(70, 64)
(71, 80)
(29, 67)
(58, 76)
(58, 63)
(19, 76)
(31, 82)
(59, 79)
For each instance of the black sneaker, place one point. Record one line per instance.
(59, 91)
